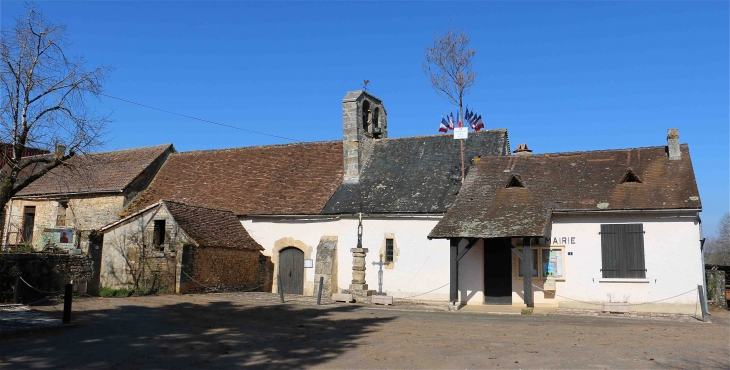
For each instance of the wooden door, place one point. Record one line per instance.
(497, 273)
(28, 223)
(291, 270)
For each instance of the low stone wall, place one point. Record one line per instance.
(44, 271)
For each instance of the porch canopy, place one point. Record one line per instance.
(515, 196)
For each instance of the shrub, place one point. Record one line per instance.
(109, 292)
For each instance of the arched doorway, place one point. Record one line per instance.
(291, 270)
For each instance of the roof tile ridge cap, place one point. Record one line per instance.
(261, 146)
(194, 206)
(595, 151)
(480, 132)
(123, 150)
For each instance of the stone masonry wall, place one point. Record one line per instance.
(223, 268)
(44, 271)
(84, 213)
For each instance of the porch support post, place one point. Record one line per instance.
(454, 280)
(527, 273)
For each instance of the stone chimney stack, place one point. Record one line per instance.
(522, 150)
(60, 150)
(364, 120)
(673, 145)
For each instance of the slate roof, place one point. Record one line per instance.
(419, 174)
(96, 172)
(265, 180)
(211, 227)
(578, 181)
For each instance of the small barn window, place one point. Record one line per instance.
(158, 234)
(630, 176)
(622, 251)
(61, 214)
(388, 250)
(515, 182)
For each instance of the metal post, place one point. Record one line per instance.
(527, 274)
(16, 292)
(67, 304)
(701, 292)
(281, 289)
(319, 293)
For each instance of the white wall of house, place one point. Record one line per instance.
(672, 259)
(420, 265)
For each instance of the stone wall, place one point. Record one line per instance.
(716, 287)
(83, 214)
(222, 269)
(44, 271)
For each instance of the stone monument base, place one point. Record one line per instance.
(360, 295)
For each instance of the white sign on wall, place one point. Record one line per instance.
(461, 132)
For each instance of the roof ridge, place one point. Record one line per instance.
(125, 150)
(592, 151)
(193, 206)
(261, 146)
(480, 132)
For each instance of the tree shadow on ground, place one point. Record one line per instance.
(213, 335)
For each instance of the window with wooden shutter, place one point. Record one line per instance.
(622, 251)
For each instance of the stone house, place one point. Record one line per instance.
(89, 191)
(301, 201)
(578, 230)
(173, 247)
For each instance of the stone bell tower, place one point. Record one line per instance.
(364, 120)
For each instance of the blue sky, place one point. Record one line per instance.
(560, 76)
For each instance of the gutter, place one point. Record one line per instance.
(631, 211)
(56, 195)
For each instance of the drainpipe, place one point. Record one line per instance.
(704, 275)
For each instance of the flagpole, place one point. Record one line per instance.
(461, 144)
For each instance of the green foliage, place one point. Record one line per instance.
(22, 248)
(109, 292)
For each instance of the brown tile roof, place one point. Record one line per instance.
(209, 227)
(579, 181)
(265, 180)
(96, 172)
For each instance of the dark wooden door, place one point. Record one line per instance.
(291, 270)
(497, 272)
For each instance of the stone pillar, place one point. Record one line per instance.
(358, 269)
(716, 287)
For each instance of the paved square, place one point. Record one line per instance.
(217, 331)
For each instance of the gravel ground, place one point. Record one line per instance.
(247, 329)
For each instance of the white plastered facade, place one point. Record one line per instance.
(420, 265)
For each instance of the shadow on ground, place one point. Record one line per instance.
(213, 335)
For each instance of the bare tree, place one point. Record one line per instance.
(717, 249)
(43, 102)
(448, 65)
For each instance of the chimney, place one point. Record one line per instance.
(522, 150)
(364, 120)
(60, 150)
(673, 145)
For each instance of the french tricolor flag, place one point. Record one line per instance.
(444, 126)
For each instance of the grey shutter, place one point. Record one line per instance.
(622, 251)
(634, 251)
(610, 241)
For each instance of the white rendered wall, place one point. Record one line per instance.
(672, 259)
(420, 264)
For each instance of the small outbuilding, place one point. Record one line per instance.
(174, 247)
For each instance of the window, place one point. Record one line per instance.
(388, 250)
(28, 223)
(622, 251)
(547, 261)
(158, 236)
(534, 264)
(61, 214)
